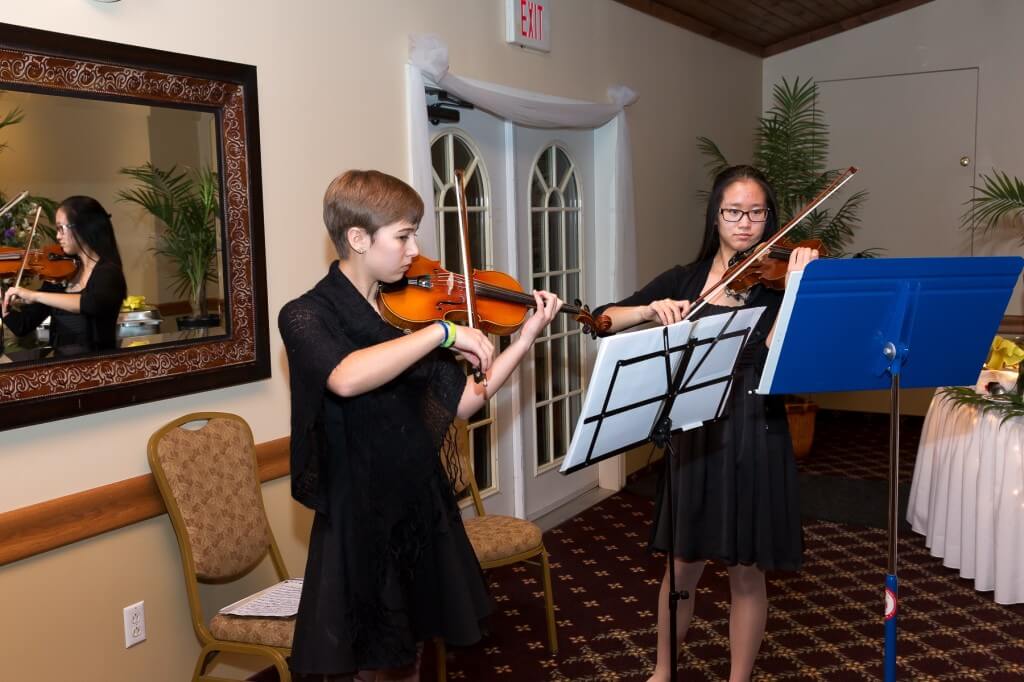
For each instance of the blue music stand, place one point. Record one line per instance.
(862, 324)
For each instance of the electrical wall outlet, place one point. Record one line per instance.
(134, 624)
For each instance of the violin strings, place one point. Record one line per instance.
(440, 282)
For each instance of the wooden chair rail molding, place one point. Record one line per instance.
(48, 525)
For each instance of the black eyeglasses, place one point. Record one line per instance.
(734, 215)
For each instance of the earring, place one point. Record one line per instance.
(360, 252)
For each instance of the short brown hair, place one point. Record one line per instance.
(370, 200)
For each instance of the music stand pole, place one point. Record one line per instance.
(662, 437)
(891, 581)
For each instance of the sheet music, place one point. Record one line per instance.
(637, 364)
(277, 601)
(690, 409)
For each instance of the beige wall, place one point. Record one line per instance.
(331, 97)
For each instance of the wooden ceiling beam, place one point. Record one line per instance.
(665, 11)
(683, 20)
(841, 26)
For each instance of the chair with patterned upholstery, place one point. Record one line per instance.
(501, 540)
(209, 483)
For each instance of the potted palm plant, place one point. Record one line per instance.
(187, 205)
(791, 149)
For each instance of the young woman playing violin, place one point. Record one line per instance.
(735, 479)
(389, 563)
(83, 314)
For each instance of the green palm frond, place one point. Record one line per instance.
(1009, 405)
(10, 118)
(792, 142)
(716, 161)
(187, 203)
(791, 150)
(874, 252)
(999, 196)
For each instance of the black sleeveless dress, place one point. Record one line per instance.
(389, 561)
(734, 480)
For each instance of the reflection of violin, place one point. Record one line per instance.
(770, 270)
(49, 263)
(429, 293)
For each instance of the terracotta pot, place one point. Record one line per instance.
(801, 426)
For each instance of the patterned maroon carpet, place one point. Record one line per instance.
(824, 622)
(856, 445)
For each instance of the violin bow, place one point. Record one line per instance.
(765, 246)
(467, 265)
(13, 202)
(28, 246)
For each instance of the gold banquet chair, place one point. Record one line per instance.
(498, 541)
(209, 483)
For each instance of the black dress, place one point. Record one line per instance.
(93, 328)
(389, 562)
(735, 479)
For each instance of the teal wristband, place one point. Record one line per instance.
(449, 338)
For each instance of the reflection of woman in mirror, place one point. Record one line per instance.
(83, 314)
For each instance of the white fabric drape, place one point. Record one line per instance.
(428, 59)
(967, 496)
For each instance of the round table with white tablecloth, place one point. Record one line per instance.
(967, 497)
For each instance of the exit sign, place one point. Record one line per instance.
(528, 24)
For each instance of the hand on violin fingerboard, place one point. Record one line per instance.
(548, 305)
(800, 257)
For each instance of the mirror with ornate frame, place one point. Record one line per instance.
(96, 107)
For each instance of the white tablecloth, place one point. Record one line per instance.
(967, 497)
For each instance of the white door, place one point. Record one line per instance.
(476, 145)
(907, 134)
(555, 204)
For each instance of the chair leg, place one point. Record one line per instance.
(206, 656)
(284, 673)
(442, 662)
(549, 603)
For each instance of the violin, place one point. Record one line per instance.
(771, 269)
(429, 293)
(49, 263)
(758, 253)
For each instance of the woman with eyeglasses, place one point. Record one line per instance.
(734, 479)
(83, 314)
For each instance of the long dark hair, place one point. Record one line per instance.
(91, 225)
(728, 176)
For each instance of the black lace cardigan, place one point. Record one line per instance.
(410, 414)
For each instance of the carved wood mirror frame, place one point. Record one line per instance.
(58, 64)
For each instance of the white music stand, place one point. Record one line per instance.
(682, 371)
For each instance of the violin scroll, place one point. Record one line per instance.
(595, 327)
